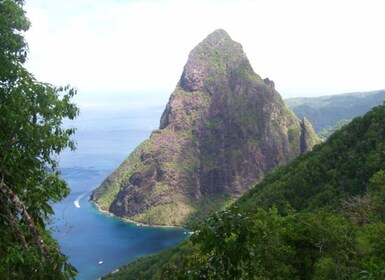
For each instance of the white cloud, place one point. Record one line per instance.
(306, 47)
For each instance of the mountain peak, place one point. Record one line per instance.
(215, 57)
(222, 130)
(219, 34)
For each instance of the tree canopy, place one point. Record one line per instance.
(31, 136)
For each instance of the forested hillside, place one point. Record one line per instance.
(322, 216)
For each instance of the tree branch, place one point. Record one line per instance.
(13, 221)
(20, 207)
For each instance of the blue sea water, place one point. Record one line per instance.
(106, 133)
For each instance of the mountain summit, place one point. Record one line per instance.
(222, 130)
(212, 58)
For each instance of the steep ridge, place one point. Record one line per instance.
(222, 130)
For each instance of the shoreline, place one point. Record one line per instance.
(127, 220)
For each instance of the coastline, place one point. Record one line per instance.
(127, 220)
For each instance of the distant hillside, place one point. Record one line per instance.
(325, 111)
(326, 133)
(322, 216)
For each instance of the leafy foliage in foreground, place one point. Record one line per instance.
(320, 217)
(31, 136)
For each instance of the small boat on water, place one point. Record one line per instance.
(100, 262)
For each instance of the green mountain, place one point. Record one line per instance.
(324, 112)
(322, 216)
(325, 134)
(222, 130)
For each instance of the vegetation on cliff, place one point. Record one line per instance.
(222, 130)
(31, 137)
(319, 217)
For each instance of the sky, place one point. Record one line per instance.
(308, 48)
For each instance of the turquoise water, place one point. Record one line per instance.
(105, 136)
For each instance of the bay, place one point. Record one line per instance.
(107, 131)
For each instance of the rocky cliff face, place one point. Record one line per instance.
(222, 130)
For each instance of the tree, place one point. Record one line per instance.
(236, 245)
(31, 137)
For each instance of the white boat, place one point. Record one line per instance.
(77, 204)
(100, 262)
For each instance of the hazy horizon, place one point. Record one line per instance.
(306, 48)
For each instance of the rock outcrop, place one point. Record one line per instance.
(222, 130)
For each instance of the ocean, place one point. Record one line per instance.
(108, 129)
